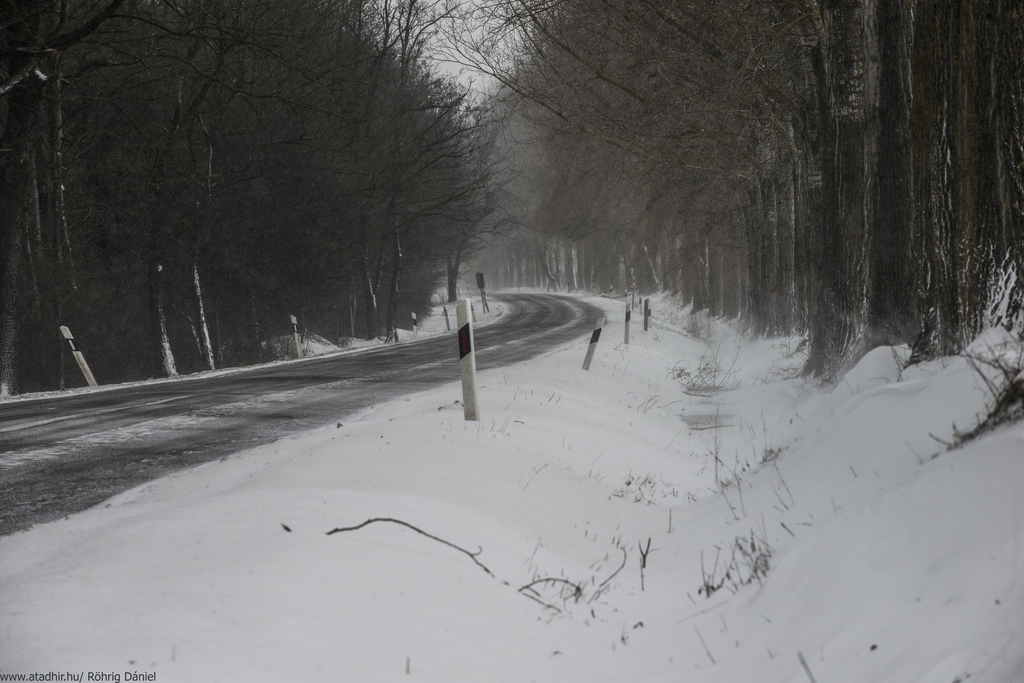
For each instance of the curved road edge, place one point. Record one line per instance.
(63, 454)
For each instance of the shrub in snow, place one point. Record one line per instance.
(1006, 299)
(708, 376)
(283, 347)
(750, 561)
(998, 358)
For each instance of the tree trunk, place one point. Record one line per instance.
(167, 356)
(207, 347)
(17, 181)
(369, 298)
(838, 256)
(888, 203)
(938, 162)
(453, 265)
(396, 279)
(550, 278)
(1008, 95)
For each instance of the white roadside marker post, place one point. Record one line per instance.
(472, 310)
(628, 312)
(415, 327)
(647, 312)
(446, 321)
(593, 343)
(298, 342)
(467, 357)
(78, 356)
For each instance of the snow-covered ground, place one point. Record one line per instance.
(689, 509)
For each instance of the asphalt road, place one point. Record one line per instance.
(60, 455)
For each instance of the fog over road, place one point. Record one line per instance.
(60, 455)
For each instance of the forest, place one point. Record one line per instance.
(178, 177)
(848, 170)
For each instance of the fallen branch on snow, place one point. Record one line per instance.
(470, 555)
(569, 589)
(529, 591)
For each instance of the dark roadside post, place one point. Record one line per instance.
(593, 343)
(483, 295)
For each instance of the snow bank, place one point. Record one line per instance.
(430, 324)
(887, 557)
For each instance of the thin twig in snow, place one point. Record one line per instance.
(643, 560)
(704, 644)
(577, 591)
(602, 584)
(803, 663)
(541, 602)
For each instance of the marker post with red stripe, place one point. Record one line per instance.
(467, 356)
(79, 358)
(593, 343)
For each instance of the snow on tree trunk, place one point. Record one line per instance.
(165, 346)
(203, 328)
